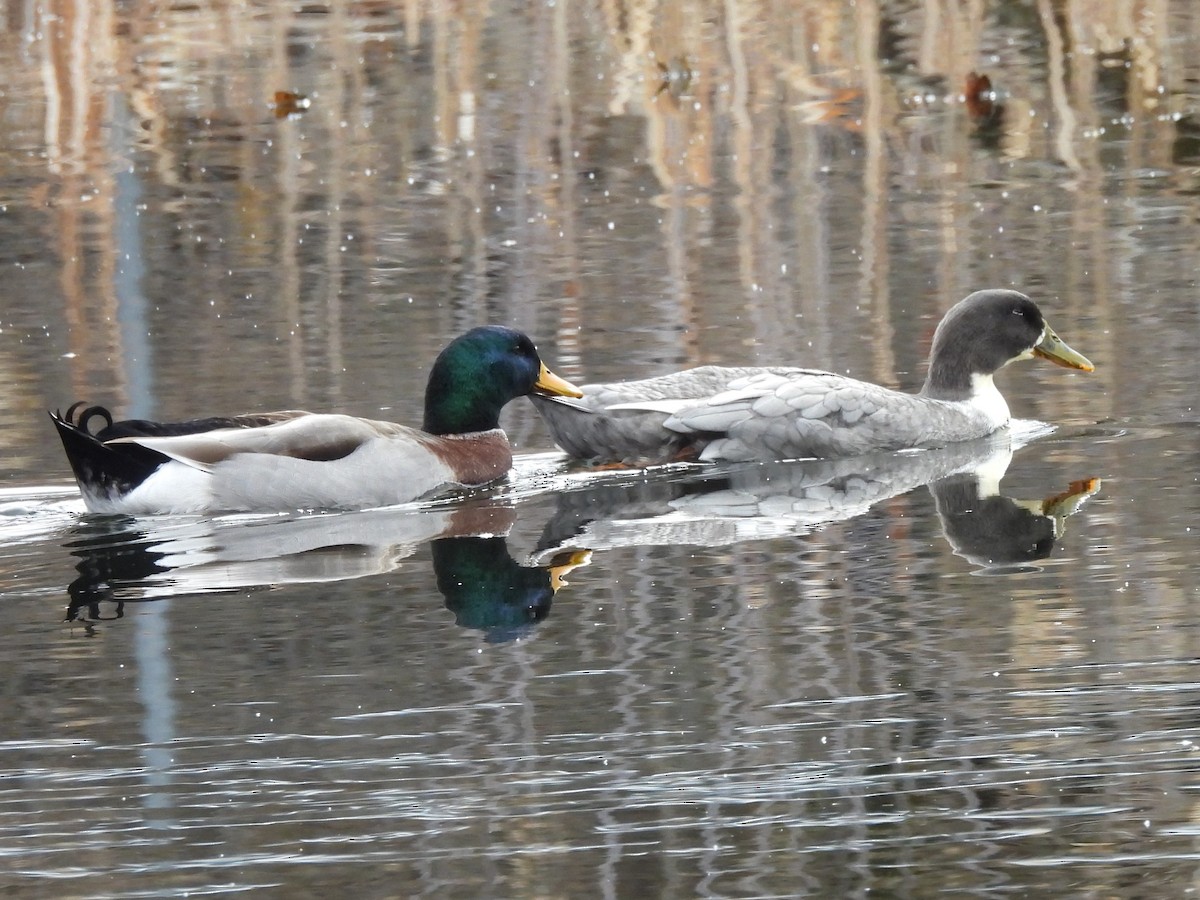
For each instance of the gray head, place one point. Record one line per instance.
(984, 333)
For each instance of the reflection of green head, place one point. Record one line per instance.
(475, 376)
(485, 588)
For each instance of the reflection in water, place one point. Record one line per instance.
(770, 500)
(1000, 533)
(483, 585)
(488, 590)
(810, 186)
(148, 559)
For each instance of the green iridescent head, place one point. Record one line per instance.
(478, 373)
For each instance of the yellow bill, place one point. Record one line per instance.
(549, 383)
(1055, 349)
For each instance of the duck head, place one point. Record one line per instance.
(478, 373)
(985, 332)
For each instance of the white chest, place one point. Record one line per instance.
(987, 400)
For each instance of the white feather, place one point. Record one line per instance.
(986, 398)
(174, 487)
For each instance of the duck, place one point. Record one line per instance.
(294, 459)
(761, 413)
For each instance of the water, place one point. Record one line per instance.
(817, 679)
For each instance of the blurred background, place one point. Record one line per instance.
(217, 207)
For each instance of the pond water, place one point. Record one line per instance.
(970, 671)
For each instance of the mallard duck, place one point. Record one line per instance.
(757, 413)
(302, 460)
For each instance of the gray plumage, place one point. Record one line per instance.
(765, 413)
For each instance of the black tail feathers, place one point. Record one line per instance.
(102, 469)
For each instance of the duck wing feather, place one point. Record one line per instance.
(809, 413)
(318, 437)
(625, 420)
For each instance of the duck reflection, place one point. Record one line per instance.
(486, 589)
(1001, 534)
(761, 501)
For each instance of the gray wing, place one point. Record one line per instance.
(625, 421)
(700, 383)
(806, 413)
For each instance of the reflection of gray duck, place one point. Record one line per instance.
(718, 413)
(488, 590)
(1001, 533)
(727, 505)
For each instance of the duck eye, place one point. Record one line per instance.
(1027, 314)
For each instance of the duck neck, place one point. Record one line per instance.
(457, 407)
(979, 390)
(947, 381)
